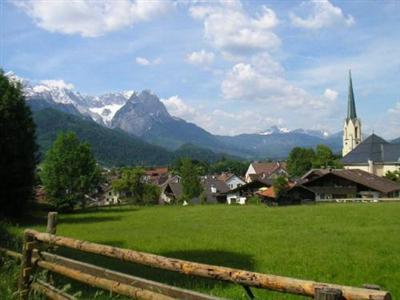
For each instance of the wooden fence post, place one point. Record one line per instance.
(26, 265)
(327, 294)
(52, 222)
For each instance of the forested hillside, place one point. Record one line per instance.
(111, 147)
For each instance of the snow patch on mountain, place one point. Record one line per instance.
(100, 108)
(274, 130)
(106, 112)
(283, 130)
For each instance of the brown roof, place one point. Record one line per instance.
(156, 172)
(364, 178)
(224, 176)
(268, 167)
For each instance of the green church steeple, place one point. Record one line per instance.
(351, 105)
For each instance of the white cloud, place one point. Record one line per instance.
(395, 110)
(247, 82)
(178, 108)
(331, 94)
(230, 29)
(60, 84)
(145, 62)
(220, 121)
(142, 61)
(200, 58)
(90, 18)
(324, 14)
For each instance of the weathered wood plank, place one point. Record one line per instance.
(52, 222)
(15, 255)
(50, 291)
(124, 278)
(252, 279)
(107, 284)
(327, 294)
(26, 266)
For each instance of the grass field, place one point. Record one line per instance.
(349, 244)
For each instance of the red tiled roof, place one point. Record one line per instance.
(156, 172)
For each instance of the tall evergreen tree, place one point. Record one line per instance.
(17, 149)
(191, 186)
(69, 172)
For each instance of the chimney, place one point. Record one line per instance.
(370, 166)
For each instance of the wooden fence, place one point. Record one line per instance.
(34, 257)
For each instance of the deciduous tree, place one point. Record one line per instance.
(191, 186)
(130, 185)
(300, 161)
(69, 172)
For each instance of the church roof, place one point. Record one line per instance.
(373, 148)
(351, 105)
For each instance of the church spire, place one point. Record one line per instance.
(351, 105)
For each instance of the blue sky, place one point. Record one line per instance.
(229, 66)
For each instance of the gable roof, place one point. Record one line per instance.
(380, 184)
(220, 185)
(225, 176)
(373, 148)
(267, 167)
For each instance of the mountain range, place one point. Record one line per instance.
(144, 119)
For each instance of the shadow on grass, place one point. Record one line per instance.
(117, 209)
(212, 257)
(88, 220)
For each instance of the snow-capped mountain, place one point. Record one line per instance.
(145, 116)
(274, 130)
(280, 130)
(100, 108)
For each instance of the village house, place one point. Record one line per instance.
(243, 192)
(156, 176)
(265, 170)
(171, 190)
(214, 191)
(232, 181)
(327, 184)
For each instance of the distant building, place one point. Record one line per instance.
(352, 135)
(243, 192)
(156, 176)
(341, 184)
(265, 170)
(214, 190)
(232, 181)
(374, 155)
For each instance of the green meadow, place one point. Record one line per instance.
(349, 244)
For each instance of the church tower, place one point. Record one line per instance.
(352, 125)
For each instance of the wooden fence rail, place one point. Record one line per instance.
(246, 278)
(139, 288)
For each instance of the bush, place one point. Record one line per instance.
(254, 200)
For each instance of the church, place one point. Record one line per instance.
(373, 154)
